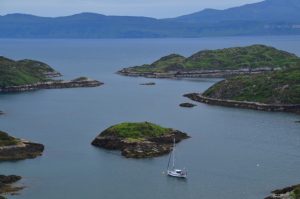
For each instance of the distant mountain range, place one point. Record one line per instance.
(269, 17)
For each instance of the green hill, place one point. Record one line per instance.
(6, 140)
(14, 73)
(280, 87)
(250, 57)
(136, 130)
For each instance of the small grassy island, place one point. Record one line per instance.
(26, 75)
(12, 148)
(275, 91)
(217, 63)
(139, 140)
(292, 192)
(6, 185)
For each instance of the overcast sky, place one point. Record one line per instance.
(151, 8)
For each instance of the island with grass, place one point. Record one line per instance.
(12, 148)
(217, 63)
(139, 140)
(7, 185)
(27, 75)
(292, 192)
(275, 91)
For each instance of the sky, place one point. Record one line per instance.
(150, 8)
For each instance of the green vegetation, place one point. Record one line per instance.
(6, 140)
(136, 131)
(15, 73)
(255, 56)
(280, 87)
(296, 193)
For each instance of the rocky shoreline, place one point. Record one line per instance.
(247, 105)
(53, 84)
(21, 151)
(6, 186)
(292, 192)
(195, 73)
(146, 148)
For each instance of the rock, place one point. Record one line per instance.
(6, 186)
(146, 146)
(148, 84)
(1, 113)
(24, 150)
(297, 121)
(292, 192)
(187, 105)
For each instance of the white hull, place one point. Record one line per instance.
(177, 173)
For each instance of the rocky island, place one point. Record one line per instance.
(12, 148)
(226, 62)
(6, 185)
(275, 91)
(187, 105)
(28, 75)
(292, 192)
(139, 140)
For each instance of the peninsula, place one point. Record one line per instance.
(12, 148)
(275, 91)
(28, 75)
(139, 140)
(226, 62)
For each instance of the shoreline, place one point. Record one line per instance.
(293, 108)
(21, 151)
(194, 74)
(52, 85)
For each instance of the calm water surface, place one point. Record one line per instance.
(233, 153)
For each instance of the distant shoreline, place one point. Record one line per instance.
(292, 108)
(51, 85)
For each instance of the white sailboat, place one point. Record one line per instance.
(178, 173)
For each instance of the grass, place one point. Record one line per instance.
(280, 87)
(136, 131)
(6, 140)
(255, 56)
(296, 193)
(15, 73)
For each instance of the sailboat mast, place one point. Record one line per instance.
(174, 153)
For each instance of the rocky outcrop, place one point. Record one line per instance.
(1, 113)
(140, 148)
(243, 104)
(187, 105)
(292, 192)
(58, 84)
(148, 84)
(195, 73)
(6, 184)
(20, 151)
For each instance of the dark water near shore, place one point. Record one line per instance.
(233, 153)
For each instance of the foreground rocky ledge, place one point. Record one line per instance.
(12, 148)
(53, 84)
(147, 144)
(292, 192)
(248, 105)
(194, 73)
(6, 185)
(23, 150)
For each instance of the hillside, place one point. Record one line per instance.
(280, 87)
(14, 73)
(269, 17)
(246, 59)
